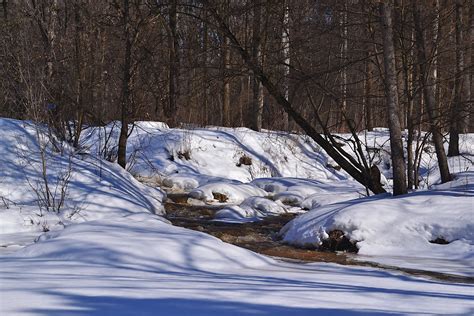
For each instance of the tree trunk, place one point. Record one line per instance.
(391, 96)
(469, 77)
(368, 101)
(171, 109)
(369, 81)
(455, 126)
(226, 83)
(79, 76)
(285, 43)
(226, 58)
(344, 47)
(417, 115)
(410, 77)
(125, 104)
(52, 39)
(434, 61)
(5, 9)
(205, 74)
(427, 83)
(257, 88)
(407, 56)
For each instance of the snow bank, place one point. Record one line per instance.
(377, 150)
(287, 194)
(398, 226)
(139, 239)
(240, 154)
(308, 193)
(93, 188)
(185, 181)
(183, 159)
(251, 209)
(463, 181)
(232, 192)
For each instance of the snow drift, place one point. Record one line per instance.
(405, 226)
(202, 154)
(88, 187)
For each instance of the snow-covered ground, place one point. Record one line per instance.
(107, 250)
(140, 265)
(187, 158)
(231, 166)
(92, 188)
(398, 230)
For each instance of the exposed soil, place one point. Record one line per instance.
(439, 241)
(262, 237)
(338, 242)
(222, 198)
(244, 160)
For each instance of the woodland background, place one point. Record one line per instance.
(292, 65)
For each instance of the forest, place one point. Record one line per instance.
(311, 66)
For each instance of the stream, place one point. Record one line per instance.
(262, 237)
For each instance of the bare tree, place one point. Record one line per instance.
(257, 55)
(456, 119)
(349, 164)
(427, 83)
(469, 75)
(285, 43)
(125, 104)
(391, 94)
(171, 108)
(226, 59)
(324, 58)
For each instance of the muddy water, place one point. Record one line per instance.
(262, 237)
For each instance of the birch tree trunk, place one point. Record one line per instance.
(391, 96)
(257, 55)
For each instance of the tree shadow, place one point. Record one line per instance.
(109, 305)
(112, 275)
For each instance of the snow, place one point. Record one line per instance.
(283, 195)
(400, 227)
(251, 209)
(94, 188)
(108, 250)
(118, 240)
(140, 265)
(377, 151)
(184, 181)
(183, 159)
(234, 191)
(307, 193)
(154, 150)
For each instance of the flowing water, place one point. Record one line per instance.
(262, 237)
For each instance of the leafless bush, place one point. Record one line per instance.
(50, 187)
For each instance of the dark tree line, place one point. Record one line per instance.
(314, 66)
